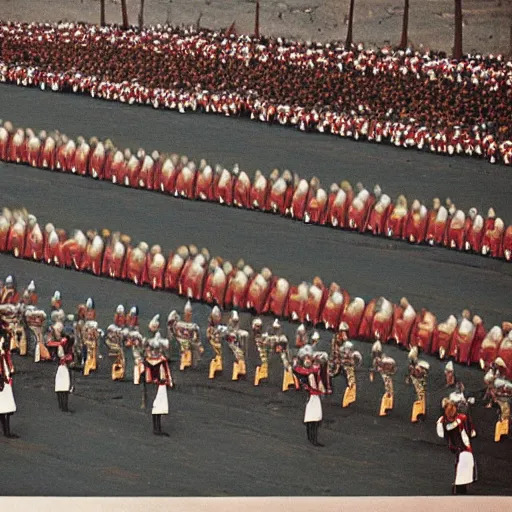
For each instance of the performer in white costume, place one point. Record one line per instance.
(157, 372)
(7, 402)
(452, 427)
(63, 385)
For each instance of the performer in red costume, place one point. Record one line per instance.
(452, 427)
(157, 372)
(9, 294)
(7, 402)
(63, 385)
(307, 366)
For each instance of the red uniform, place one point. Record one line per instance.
(299, 200)
(204, 184)
(335, 307)
(353, 316)
(297, 300)
(16, 239)
(241, 191)
(277, 299)
(97, 161)
(34, 243)
(416, 224)
(215, 286)
(175, 264)
(236, 290)
(258, 193)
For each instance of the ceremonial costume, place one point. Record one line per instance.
(92, 334)
(135, 341)
(154, 328)
(9, 294)
(80, 348)
(7, 402)
(301, 336)
(350, 359)
(449, 373)
(307, 366)
(114, 340)
(29, 297)
(451, 426)
(63, 376)
(35, 319)
(418, 373)
(387, 368)
(214, 334)
(188, 336)
(278, 342)
(335, 361)
(463, 407)
(261, 340)
(236, 339)
(499, 390)
(132, 318)
(57, 313)
(12, 317)
(157, 372)
(344, 358)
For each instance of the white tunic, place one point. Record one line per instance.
(313, 409)
(161, 403)
(7, 403)
(464, 474)
(62, 379)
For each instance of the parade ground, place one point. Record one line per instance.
(232, 438)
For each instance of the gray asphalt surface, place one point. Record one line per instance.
(254, 145)
(229, 438)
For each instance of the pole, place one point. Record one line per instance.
(510, 42)
(141, 15)
(348, 42)
(102, 13)
(457, 45)
(405, 26)
(124, 13)
(257, 21)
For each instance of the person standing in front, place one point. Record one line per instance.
(452, 426)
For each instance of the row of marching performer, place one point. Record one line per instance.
(342, 206)
(124, 334)
(197, 275)
(408, 112)
(73, 343)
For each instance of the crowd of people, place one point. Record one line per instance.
(419, 99)
(198, 275)
(73, 342)
(285, 193)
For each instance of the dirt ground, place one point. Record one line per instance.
(487, 23)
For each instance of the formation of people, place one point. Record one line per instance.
(74, 341)
(198, 275)
(407, 98)
(342, 206)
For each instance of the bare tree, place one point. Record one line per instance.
(257, 20)
(348, 42)
(141, 14)
(124, 13)
(102, 13)
(405, 26)
(457, 44)
(510, 42)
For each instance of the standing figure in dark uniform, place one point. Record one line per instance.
(452, 427)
